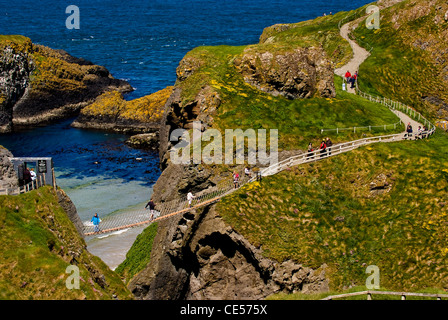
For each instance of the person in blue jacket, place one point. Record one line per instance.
(96, 222)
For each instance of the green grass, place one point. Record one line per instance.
(38, 243)
(139, 254)
(397, 68)
(298, 121)
(325, 212)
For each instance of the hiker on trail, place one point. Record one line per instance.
(190, 198)
(352, 81)
(348, 75)
(236, 179)
(419, 133)
(151, 206)
(96, 222)
(409, 128)
(323, 147)
(329, 143)
(310, 151)
(247, 172)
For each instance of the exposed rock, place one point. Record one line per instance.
(15, 69)
(149, 141)
(69, 207)
(111, 112)
(300, 73)
(198, 256)
(8, 176)
(38, 84)
(187, 67)
(379, 185)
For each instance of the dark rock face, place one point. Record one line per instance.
(56, 86)
(8, 176)
(69, 207)
(301, 73)
(15, 70)
(197, 256)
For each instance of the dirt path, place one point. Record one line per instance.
(359, 54)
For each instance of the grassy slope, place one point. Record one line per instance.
(139, 254)
(398, 68)
(298, 121)
(297, 214)
(325, 213)
(38, 243)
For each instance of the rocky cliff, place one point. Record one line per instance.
(39, 84)
(198, 256)
(111, 112)
(8, 177)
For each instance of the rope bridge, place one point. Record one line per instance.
(164, 210)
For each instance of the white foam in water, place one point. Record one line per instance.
(113, 233)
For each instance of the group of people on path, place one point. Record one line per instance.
(419, 133)
(351, 78)
(325, 148)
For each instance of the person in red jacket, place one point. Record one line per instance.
(347, 76)
(323, 148)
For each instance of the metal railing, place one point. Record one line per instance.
(396, 105)
(34, 184)
(369, 128)
(328, 152)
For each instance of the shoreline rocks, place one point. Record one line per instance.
(40, 85)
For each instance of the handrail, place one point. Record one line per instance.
(403, 295)
(384, 126)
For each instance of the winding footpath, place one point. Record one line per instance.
(181, 205)
(359, 53)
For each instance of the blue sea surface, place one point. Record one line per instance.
(142, 42)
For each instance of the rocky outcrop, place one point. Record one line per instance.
(111, 112)
(8, 176)
(299, 73)
(198, 256)
(145, 141)
(39, 84)
(69, 207)
(15, 70)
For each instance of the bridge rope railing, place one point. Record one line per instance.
(164, 210)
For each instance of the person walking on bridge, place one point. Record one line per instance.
(190, 198)
(96, 223)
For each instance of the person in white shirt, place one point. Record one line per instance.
(190, 198)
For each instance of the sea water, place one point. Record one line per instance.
(142, 42)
